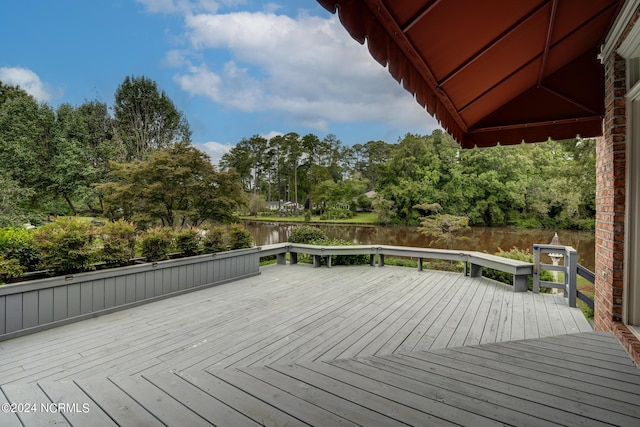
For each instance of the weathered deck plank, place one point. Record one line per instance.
(278, 349)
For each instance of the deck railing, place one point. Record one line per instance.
(570, 269)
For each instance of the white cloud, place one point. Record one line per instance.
(187, 6)
(215, 150)
(28, 80)
(308, 67)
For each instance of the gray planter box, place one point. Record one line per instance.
(35, 305)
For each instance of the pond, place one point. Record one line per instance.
(483, 239)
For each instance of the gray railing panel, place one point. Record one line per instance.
(97, 292)
(109, 292)
(86, 298)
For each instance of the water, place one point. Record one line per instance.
(483, 239)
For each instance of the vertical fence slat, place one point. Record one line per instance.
(13, 312)
(30, 309)
(45, 306)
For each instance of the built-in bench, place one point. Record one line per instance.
(473, 261)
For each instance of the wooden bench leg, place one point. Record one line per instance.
(520, 283)
(317, 260)
(381, 260)
(293, 257)
(419, 264)
(476, 270)
(329, 261)
(372, 260)
(281, 258)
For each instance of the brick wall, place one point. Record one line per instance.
(610, 198)
(610, 203)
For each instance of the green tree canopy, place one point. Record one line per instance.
(177, 186)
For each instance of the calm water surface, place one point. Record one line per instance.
(483, 239)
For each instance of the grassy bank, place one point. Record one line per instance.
(359, 218)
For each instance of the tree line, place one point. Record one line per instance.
(549, 184)
(135, 162)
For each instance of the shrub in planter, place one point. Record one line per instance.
(17, 243)
(519, 255)
(214, 240)
(65, 246)
(118, 242)
(9, 268)
(342, 259)
(239, 237)
(156, 243)
(306, 234)
(188, 241)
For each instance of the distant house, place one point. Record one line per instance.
(283, 206)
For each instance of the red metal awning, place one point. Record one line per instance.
(492, 71)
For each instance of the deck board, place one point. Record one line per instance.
(341, 346)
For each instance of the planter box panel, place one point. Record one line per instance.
(98, 295)
(209, 266)
(175, 276)
(218, 265)
(3, 314)
(60, 303)
(110, 292)
(73, 300)
(140, 284)
(13, 313)
(45, 306)
(157, 282)
(86, 297)
(189, 282)
(166, 281)
(121, 291)
(30, 309)
(197, 275)
(130, 288)
(182, 280)
(149, 284)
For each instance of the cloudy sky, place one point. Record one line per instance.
(236, 68)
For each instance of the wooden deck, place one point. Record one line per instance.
(340, 346)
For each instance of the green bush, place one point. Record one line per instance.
(306, 234)
(9, 268)
(17, 243)
(188, 241)
(214, 240)
(65, 246)
(118, 242)
(342, 259)
(337, 214)
(519, 255)
(239, 237)
(156, 243)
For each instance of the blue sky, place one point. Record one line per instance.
(236, 68)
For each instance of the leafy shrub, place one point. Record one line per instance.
(337, 214)
(65, 245)
(239, 237)
(156, 244)
(118, 242)
(306, 234)
(343, 259)
(9, 268)
(214, 240)
(519, 255)
(17, 243)
(188, 241)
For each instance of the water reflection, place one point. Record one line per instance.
(484, 239)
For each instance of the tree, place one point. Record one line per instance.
(443, 227)
(146, 118)
(177, 186)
